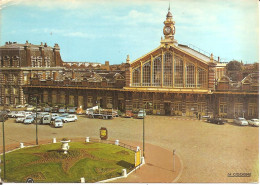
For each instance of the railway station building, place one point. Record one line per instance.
(173, 79)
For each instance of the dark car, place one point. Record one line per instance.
(218, 121)
(55, 109)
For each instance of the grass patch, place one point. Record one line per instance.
(48, 163)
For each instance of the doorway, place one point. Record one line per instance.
(167, 108)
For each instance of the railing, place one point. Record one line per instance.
(124, 145)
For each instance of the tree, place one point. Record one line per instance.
(234, 66)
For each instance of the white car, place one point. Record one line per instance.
(19, 114)
(254, 122)
(30, 108)
(69, 118)
(141, 114)
(241, 121)
(20, 119)
(58, 123)
(19, 106)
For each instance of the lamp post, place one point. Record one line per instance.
(3, 129)
(36, 122)
(144, 126)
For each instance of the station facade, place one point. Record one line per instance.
(173, 79)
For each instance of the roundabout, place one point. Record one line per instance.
(48, 163)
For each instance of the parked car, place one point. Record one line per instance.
(46, 120)
(72, 110)
(55, 109)
(58, 123)
(128, 114)
(141, 114)
(20, 119)
(29, 120)
(12, 114)
(218, 121)
(19, 106)
(62, 110)
(69, 118)
(254, 122)
(18, 114)
(30, 108)
(38, 109)
(240, 121)
(79, 110)
(54, 116)
(47, 109)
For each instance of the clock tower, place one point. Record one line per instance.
(169, 29)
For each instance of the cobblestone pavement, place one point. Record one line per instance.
(208, 151)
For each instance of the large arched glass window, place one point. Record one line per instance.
(202, 78)
(157, 71)
(147, 74)
(178, 72)
(167, 70)
(190, 75)
(136, 77)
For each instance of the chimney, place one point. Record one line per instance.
(211, 57)
(128, 59)
(218, 59)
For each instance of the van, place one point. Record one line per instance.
(46, 120)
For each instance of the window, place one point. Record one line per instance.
(190, 75)
(109, 100)
(147, 74)
(167, 70)
(136, 77)
(202, 78)
(178, 72)
(7, 91)
(252, 109)
(47, 61)
(39, 61)
(90, 99)
(157, 71)
(33, 61)
(177, 106)
(156, 106)
(15, 91)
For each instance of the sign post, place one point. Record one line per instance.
(103, 133)
(137, 157)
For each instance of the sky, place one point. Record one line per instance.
(109, 30)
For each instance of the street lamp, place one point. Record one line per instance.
(35, 99)
(2, 118)
(144, 125)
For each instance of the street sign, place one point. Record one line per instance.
(103, 133)
(137, 157)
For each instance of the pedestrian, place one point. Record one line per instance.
(199, 116)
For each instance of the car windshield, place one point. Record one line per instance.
(255, 120)
(58, 120)
(29, 117)
(241, 119)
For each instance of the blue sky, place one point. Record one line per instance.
(109, 30)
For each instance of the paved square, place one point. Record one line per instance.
(208, 151)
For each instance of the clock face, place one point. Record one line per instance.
(167, 30)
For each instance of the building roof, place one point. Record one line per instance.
(15, 45)
(194, 52)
